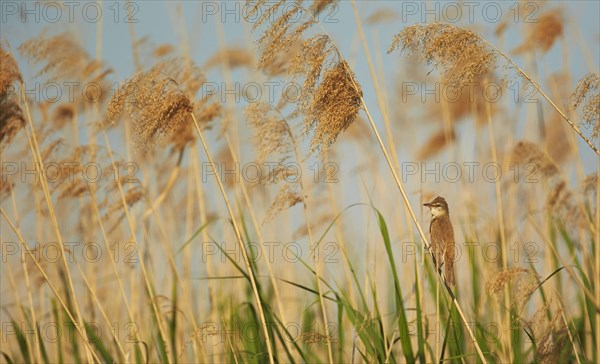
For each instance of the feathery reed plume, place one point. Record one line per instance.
(560, 201)
(557, 146)
(271, 133)
(312, 337)
(523, 281)
(523, 12)
(75, 171)
(279, 64)
(528, 153)
(11, 120)
(232, 57)
(205, 111)
(289, 195)
(132, 196)
(151, 52)
(496, 284)
(542, 34)
(226, 162)
(330, 97)
(383, 15)
(62, 58)
(334, 105)
(587, 94)
(459, 52)
(501, 28)
(590, 184)
(435, 144)
(157, 101)
(163, 50)
(465, 53)
(285, 30)
(318, 6)
(550, 335)
(156, 107)
(10, 73)
(468, 102)
(6, 188)
(282, 33)
(63, 114)
(274, 140)
(589, 190)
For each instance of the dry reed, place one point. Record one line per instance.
(62, 58)
(11, 120)
(587, 95)
(543, 33)
(275, 143)
(459, 52)
(232, 57)
(560, 200)
(435, 144)
(157, 101)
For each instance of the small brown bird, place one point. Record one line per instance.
(442, 237)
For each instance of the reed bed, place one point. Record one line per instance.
(156, 221)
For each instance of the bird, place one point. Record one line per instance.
(442, 238)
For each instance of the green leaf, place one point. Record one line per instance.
(97, 343)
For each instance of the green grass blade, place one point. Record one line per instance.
(400, 309)
(173, 323)
(42, 345)
(420, 337)
(56, 317)
(97, 343)
(194, 235)
(22, 341)
(7, 358)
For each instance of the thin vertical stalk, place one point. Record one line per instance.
(537, 87)
(238, 234)
(54, 290)
(34, 145)
(500, 214)
(129, 219)
(405, 196)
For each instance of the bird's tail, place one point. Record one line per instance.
(449, 273)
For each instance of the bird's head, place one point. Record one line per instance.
(438, 206)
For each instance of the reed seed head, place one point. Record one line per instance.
(330, 96)
(460, 53)
(156, 101)
(62, 58)
(11, 119)
(272, 135)
(275, 142)
(383, 15)
(283, 33)
(560, 201)
(543, 33)
(436, 143)
(232, 57)
(527, 153)
(587, 95)
(288, 196)
(318, 6)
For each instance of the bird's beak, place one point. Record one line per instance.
(428, 204)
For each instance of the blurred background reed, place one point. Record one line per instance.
(302, 245)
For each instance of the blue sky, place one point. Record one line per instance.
(202, 23)
(206, 25)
